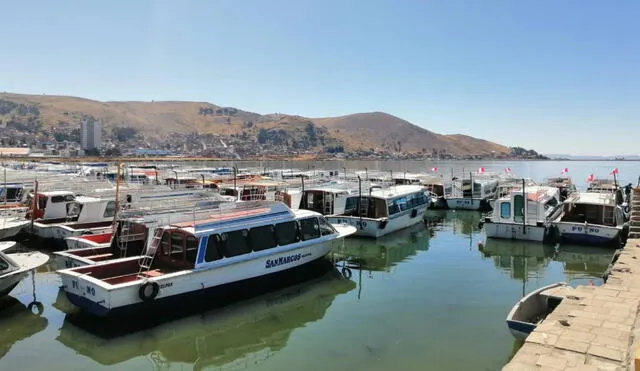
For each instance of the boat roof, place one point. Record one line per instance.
(394, 191)
(87, 199)
(238, 213)
(535, 192)
(57, 193)
(592, 198)
(329, 190)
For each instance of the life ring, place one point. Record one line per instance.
(143, 291)
(38, 305)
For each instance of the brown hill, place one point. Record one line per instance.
(361, 130)
(158, 119)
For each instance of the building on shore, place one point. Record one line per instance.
(90, 134)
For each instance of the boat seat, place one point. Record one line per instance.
(99, 256)
(152, 273)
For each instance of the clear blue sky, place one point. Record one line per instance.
(556, 76)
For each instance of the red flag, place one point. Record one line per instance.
(591, 178)
(564, 171)
(614, 171)
(507, 169)
(434, 169)
(481, 170)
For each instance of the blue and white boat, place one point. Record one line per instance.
(529, 311)
(384, 210)
(242, 241)
(591, 218)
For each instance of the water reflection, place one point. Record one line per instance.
(524, 259)
(17, 322)
(242, 333)
(385, 252)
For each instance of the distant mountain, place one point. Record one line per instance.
(377, 130)
(592, 157)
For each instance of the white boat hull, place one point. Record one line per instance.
(8, 282)
(590, 234)
(464, 203)
(61, 231)
(512, 231)
(101, 299)
(76, 242)
(368, 227)
(11, 228)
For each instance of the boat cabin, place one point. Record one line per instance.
(12, 193)
(64, 206)
(593, 208)
(326, 201)
(529, 206)
(385, 202)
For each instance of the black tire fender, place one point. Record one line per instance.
(38, 305)
(143, 291)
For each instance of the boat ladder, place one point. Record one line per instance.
(123, 237)
(146, 261)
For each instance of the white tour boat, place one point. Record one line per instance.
(591, 218)
(243, 241)
(15, 266)
(524, 213)
(472, 193)
(384, 210)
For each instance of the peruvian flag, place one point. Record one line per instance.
(591, 178)
(481, 170)
(614, 171)
(507, 169)
(564, 171)
(434, 169)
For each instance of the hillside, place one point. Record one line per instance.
(159, 121)
(362, 130)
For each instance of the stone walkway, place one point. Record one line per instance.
(594, 328)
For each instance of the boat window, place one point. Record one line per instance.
(62, 198)
(192, 248)
(234, 243)
(518, 208)
(351, 204)
(213, 253)
(262, 238)
(177, 240)
(309, 229)
(110, 209)
(42, 202)
(164, 243)
(325, 227)
(287, 233)
(505, 210)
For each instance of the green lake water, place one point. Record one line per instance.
(431, 297)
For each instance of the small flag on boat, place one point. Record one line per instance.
(614, 171)
(507, 169)
(434, 169)
(481, 170)
(565, 170)
(591, 178)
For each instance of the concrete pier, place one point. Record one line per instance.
(595, 327)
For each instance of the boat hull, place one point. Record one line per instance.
(588, 234)
(8, 283)
(368, 227)
(520, 320)
(515, 231)
(105, 301)
(467, 204)
(11, 228)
